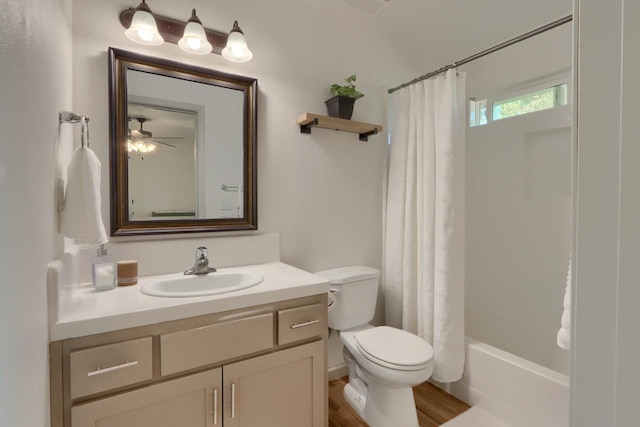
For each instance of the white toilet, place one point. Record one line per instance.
(384, 363)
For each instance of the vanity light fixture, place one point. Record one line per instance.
(143, 27)
(194, 40)
(236, 49)
(191, 36)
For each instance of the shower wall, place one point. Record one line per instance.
(519, 207)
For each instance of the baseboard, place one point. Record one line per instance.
(338, 371)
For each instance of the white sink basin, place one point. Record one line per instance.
(202, 285)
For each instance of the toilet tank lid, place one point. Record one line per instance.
(342, 275)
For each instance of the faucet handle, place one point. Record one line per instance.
(201, 253)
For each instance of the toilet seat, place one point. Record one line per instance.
(394, 348)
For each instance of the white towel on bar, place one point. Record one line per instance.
(564, 334)
(82, 214)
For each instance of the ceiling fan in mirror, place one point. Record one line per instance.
(142, 141)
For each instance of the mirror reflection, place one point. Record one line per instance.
(183, 147)
(162, 163)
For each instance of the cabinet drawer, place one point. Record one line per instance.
(180, 351)
(300, 323)
(110, 366)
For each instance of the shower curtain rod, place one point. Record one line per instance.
(495, 48)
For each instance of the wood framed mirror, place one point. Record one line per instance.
(182, 147)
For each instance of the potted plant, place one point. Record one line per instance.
(341, 105)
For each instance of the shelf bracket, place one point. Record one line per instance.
(365, 136)
(306, 128)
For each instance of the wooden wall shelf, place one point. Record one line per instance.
(309, 120)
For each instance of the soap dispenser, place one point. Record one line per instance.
(103, 270)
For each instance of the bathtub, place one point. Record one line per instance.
(513, 389)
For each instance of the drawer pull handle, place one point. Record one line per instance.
(215, 407)
(302, 325)
(233, 400)
(99, 371)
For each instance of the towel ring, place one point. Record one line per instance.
(84, 140)
(73, 118)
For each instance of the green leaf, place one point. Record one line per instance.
(348, 90)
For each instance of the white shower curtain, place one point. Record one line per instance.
(424, 233)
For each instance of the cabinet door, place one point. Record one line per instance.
(192, 401)
(282, 389)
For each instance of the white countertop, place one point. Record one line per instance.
(82, 311)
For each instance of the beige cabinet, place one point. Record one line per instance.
(283, 389)
(192, 401)
(262, 366)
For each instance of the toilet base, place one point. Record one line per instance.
(355, 399)
(386, 406)
(383, 406)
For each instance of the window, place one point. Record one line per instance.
(523, 103)
(477, 112)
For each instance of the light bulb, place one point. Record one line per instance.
(194, 43)
(145, 34)
(143, 27)
(236, 49)
(194, 39)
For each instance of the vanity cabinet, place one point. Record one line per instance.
(278, 389)
(262, 366)
(191, 401)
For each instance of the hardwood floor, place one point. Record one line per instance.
(434, 406)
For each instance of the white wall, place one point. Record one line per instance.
(35, 82)
(518, 206)
(628, 346)
(162, 180)
(606, 349)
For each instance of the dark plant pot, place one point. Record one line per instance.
(340, 106)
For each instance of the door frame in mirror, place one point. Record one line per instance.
(121, 225)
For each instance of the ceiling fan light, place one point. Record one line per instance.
(138, 140)
(140, 147)
(143, 147)
(143, 27)
(236, 49)
(194, 39)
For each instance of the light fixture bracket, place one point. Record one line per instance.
(172, 30)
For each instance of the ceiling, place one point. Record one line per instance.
(169, 126)
(442, 31)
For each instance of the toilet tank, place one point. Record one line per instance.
(356, 291)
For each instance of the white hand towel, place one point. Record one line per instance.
(564, 334)
(82, 215)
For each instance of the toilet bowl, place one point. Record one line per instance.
(384, 363)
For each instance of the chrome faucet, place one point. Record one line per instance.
(202, 263)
